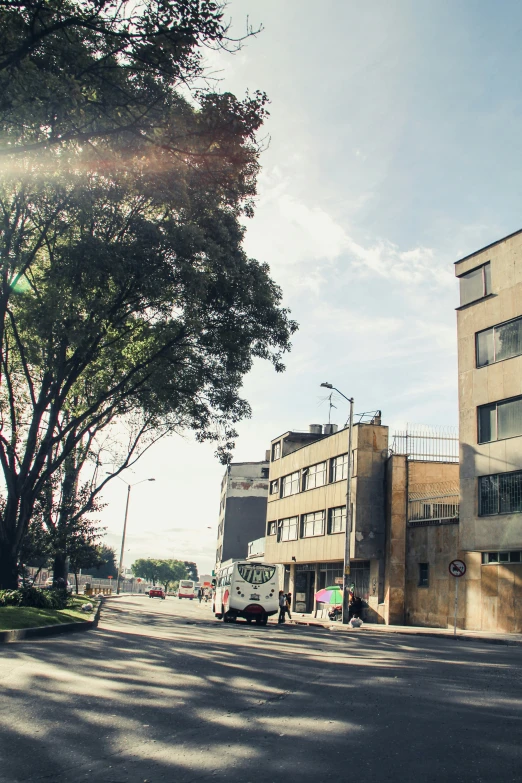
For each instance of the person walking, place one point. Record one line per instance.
(282, 607)
(289, 604)
(200, 594)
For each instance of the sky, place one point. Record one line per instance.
(393, 148)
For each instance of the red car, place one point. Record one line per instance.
(157, 592)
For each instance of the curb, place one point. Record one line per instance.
(7, 637)
(431, 635)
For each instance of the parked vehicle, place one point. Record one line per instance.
(187, 589)
(49, 583)
(248, 590)
(157, 592)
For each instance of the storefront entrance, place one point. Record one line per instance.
(304, 587)
(332, 574)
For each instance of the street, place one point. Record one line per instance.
(163, 692)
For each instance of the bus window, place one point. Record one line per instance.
(255, 573)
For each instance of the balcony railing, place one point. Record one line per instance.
(433, 504)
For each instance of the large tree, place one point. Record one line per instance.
(125, 295)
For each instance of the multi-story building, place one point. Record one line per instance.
(242, 509)
(404, 518)
(306, 511)
(489, 324)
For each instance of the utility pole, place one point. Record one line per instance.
(129, 486)
(346, 575)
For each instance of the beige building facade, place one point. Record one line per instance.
(489, 327)
(404, 522)
(306, 510)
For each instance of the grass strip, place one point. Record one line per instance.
(14, 617)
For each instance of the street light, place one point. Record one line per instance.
(129, 487)
(346, 585)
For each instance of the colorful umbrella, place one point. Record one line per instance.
(329, 595)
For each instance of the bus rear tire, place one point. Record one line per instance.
(248, 619)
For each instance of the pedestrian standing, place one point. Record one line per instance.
(282, 607)
(289, 604)
(200, 594)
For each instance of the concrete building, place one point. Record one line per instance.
(306, 511)
(422, 536)
(404, 518)
(489, 327)
(242, 509)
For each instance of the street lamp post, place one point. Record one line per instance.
(346, 575)
(120, 567)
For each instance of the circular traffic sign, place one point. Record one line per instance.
(457, 568)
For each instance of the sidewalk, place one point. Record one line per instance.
(408, 630)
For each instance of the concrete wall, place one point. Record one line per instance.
(405, 602)
(493, 383)
(395, 554)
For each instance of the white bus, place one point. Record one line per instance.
(247, 589)
(186, 589)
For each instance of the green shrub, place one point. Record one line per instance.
(31, 596)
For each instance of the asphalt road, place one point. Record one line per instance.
(163, 692)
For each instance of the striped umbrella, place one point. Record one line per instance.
(329, 595)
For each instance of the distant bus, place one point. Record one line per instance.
(186, 589)
(247, 589)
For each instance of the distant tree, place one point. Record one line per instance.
(170, 571)
(147, 568)
(83, 554)
(159, 571)
(192, 571)
(107, 567)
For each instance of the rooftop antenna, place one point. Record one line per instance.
(331, 405)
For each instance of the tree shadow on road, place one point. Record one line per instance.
(171, 699)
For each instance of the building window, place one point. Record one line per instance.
(314, 476)
(424, 574)
(500, 494)
(500, 420)
(501, 557)
(475, 284)
(337, 520)
(276, 450)
(288, 529)
(264, 472)
(272, 528)
(274, 487)
(499, 342)
(312, 524)
(339, 468)
(290, 485)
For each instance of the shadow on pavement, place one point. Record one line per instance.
(152, 696)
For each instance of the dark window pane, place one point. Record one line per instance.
(487, 279)
(487, 425)
(472, 286)
(485, 348)
(492, 557)
(423, 574)
(514, 557)
(510, 492)
(488, 495)
(509, 418)
(508, 340)
(503, 557)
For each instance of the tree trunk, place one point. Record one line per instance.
(60, 570)
(76, 580)
(8, 569)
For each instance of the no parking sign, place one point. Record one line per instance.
(457, 568)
